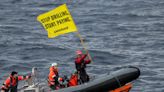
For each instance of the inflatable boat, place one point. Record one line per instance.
(107, 83)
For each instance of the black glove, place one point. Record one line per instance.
(56, 78)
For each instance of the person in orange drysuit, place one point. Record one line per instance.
(11, 82)
(73, 81)
(53, 78)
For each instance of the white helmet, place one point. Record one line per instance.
(54, 64)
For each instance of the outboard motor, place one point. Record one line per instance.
(33, 86)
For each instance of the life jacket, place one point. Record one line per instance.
(11, 84)
(73, 80)
(125, 88)
(13, 81)
(53, 76)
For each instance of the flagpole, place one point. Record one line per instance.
(83, 44)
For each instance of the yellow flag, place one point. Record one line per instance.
(57, 21)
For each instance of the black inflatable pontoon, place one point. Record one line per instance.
(106, 83)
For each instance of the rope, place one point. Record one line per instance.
(118, 81)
